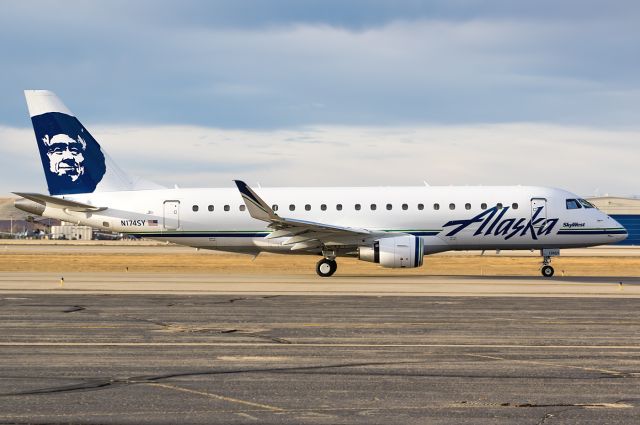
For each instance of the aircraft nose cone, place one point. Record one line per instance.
(619, 231)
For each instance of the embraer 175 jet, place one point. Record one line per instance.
(391, 226)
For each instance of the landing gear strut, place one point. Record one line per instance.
(326, 267)
(546, 270)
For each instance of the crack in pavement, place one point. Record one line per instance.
(615, 405)
(74, 308)
(172, 327)
(549, 415)
(97, 384)
(65, 308)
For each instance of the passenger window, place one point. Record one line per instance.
(572, 204)
(420, 207)
(195, 208)
(389, 207)
(307, 207)
(373, 207)
(339, 207)
(292, 207)
(436, 206)
(452, 206)
(467, 206)
(242, 207)
(405, 207)
(210, 207)
(274, 207)
(499, 205)
(226, 208)
(323, 207)
(483, 206)
(358, 207)
(514, 205)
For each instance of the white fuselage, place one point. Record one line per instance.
(447, 218)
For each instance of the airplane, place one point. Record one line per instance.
(394, 227)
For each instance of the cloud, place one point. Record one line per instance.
(332, 92)
(582, 159)
(245, 65)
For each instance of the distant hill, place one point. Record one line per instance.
(7, 210)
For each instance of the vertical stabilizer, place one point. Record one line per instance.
(72, 159)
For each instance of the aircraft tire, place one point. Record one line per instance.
(326, 268)
(547, 271)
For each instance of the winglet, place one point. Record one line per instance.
(255, 205)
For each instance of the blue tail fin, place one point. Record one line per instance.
(72, 159)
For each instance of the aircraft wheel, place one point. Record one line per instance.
(547, 271)
(326, 268)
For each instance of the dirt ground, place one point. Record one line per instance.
(203, 262)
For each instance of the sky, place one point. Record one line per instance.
(296, 93)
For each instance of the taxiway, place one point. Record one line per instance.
(113, 357)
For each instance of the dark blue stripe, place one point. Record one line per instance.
(242, 235)
(592, 232)
(203, 235)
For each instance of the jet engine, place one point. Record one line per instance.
(394, 252)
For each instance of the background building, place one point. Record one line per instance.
(71, 232)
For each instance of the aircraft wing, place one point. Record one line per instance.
(302, 234)
(53, 202)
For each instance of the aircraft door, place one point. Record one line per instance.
(538, 204)
(171, 215)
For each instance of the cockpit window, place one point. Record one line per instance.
(586, 203)
(573, 204)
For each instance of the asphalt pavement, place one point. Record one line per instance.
(321, 359)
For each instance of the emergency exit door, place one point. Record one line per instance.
(171, 215)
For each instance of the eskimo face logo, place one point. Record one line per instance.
(66, 155)
(72, 159)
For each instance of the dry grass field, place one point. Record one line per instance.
(163, 260)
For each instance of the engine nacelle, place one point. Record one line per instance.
(394, 252)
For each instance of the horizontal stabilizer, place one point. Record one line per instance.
(53, 202)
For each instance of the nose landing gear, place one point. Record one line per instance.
(547, 253)
(546, 270)
(326, 267)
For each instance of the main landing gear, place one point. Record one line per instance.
(326, 267)
(546, 270)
